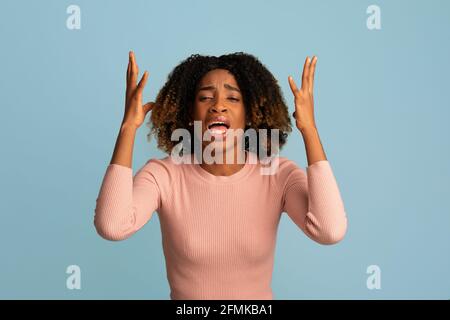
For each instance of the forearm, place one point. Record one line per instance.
(123, 150)
(313, 145)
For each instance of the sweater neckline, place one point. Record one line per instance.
(250, 161)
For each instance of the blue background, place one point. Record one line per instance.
(381, 105)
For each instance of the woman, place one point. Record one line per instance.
(219, 220)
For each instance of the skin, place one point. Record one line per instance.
(134, 114)
(219, 94)
(304, 112)
(218, 101)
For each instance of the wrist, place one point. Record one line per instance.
(128, 127)
(307, 131)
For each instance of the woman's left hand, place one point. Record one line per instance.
(303, 97)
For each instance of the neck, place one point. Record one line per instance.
(225, 168)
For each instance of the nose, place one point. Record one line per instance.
(218, 107)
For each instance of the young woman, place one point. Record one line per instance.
(219, 220)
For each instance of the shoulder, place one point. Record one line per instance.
(161, 168)
(288, 168)
(286, 173)
(290, 173)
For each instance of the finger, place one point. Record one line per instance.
(129, 66)
(128, 89)
(134, 71)
(128, 80)
(292, 85)
(305, 74)
(128, 71)
(142, 83)
(135, 65)
(312, 72)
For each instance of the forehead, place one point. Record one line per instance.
(218, 76)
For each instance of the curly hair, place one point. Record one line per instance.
(264, 104)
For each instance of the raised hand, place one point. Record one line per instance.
(134, 110)
(303, 97)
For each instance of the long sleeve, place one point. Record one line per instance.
(124, 203)
(219, 232)
(314, 203)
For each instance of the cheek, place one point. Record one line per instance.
(199, 111)
(240, 116)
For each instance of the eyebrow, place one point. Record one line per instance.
(226, 85)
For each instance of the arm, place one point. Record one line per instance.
(125, 204)
(313, 145)
(314, 203)
(313, 200)
(123, 149)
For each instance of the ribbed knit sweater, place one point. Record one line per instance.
(219, 232)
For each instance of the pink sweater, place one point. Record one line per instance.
(219, 232)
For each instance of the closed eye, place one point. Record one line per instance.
(229, 98)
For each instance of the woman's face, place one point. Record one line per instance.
(218, 104)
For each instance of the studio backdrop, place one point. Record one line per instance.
(381, 102)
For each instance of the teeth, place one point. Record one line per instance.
(217, 123)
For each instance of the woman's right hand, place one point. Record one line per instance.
(135, 112)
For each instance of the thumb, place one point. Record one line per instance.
(148, 106)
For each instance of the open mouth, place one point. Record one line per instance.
(218, 125)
